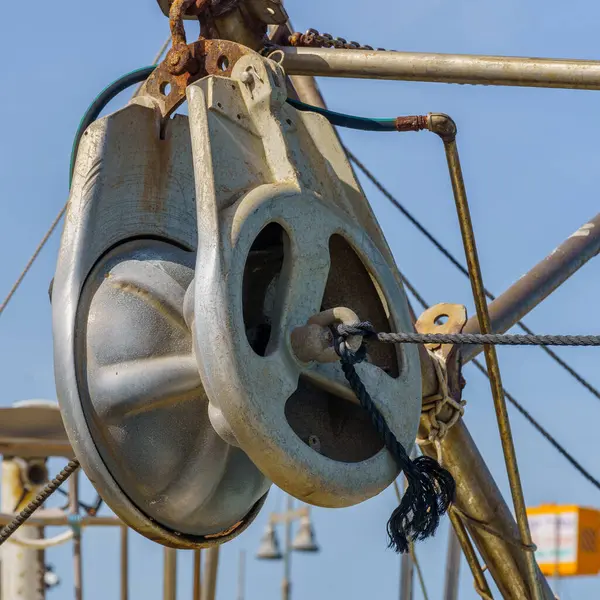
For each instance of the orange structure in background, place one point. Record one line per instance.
(567, 539)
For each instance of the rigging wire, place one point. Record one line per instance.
(396, 203)
(557, 446)
(91, 114)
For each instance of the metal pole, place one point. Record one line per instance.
(211, 567)
(74, 513)
(406, 563)
(452, 567)
(242, 575)
(197, 592)
(442, 68)
(124, 562)
(22, 568)
(460, 531)
(478, 496)
(170, 574)
(446, 129)
(524, 295)
(287, 553)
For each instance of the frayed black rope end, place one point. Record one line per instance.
(431, 489)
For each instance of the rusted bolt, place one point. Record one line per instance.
(179, 60)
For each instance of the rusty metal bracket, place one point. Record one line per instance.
(186, 63)
(206, 57)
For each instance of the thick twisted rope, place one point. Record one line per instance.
(44, 494)
(496, 339)
(431, 488)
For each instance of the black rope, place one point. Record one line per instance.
(431, 489)
(537, 426)
(397, 204)
(495, 339)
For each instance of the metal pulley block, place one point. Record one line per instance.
(284, 234)
(195, 253)
(131, 397)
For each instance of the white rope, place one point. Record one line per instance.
(433, 405)
(44, 543)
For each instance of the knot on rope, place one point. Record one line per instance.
(433, 405)
(431, 489)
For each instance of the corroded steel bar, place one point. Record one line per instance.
(536, 285)
(478, 496)
(442, 68)
(446, 129)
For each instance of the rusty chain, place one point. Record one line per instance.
(314, 39)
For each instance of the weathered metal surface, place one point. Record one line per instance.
(130, 394)
(185, 64)
(259, 163)
(33, 430)
(22, 568)
(443, 68)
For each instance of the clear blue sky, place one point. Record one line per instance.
(529, 159)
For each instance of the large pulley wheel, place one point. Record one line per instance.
(129, 389)
(252, 375)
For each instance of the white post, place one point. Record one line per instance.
(22, 569)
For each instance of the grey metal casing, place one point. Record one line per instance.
(257, 162)
(122, 349)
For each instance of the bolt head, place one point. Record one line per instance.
(247, 78)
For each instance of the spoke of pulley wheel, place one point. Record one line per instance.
(301, 287)
(468, 237)
(144, 385)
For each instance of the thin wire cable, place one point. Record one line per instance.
(491, 339)
(44, 494)
(28, 266)
(395, 202)
(156, 60)
(90, 115)
(557, 446)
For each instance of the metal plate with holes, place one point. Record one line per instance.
(131, 397)
(284, 233)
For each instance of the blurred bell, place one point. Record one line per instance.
(269, 546)
(305, 538)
